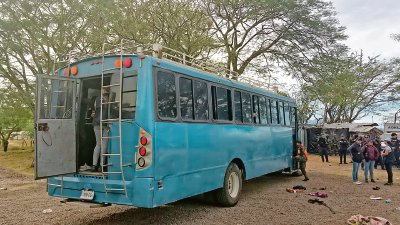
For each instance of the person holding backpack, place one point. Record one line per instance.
(357, 158)
(388, 159)
(302, 157)
(370, 155)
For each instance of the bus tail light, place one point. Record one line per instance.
(144, 154)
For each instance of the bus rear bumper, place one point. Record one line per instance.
(140, 192)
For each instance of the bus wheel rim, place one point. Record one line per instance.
(233, 185)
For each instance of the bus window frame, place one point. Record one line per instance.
(212, 104)
(155, 85)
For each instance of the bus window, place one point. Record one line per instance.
(129, 91)
(281, 114)
(293, 116)
(256, 111)
(200, 100)
(166, 94)
(263, 111)
(222, 104)
(186, 98)
(287, 114)
(274, 112)
(238, 107)
(246, 104)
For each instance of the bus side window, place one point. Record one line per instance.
(186, 98)
(166, 94)
(263, 110)
(222, 103)
(256, 111)
(200, 92)
(238, 106)
(281, 114)
(287, 114)
(247, 112)
(274, 112)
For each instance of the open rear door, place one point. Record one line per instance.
(55, 135)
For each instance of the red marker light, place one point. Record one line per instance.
(117, 63)
(143, 140)
(142, 151)
(127, 62)
(74, 70)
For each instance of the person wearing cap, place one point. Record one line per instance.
(101, 145)
(388, 159)
(370, 155)
(357, 158)
(395, 147)
(302, 158)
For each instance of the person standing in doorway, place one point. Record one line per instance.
(388, 159)
(323, 148)
(370, 155)
(101, 145)
(355, 150)
(302, 157)
(343, 146)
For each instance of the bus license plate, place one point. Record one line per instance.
(87, 195)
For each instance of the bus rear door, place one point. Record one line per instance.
(55, 131)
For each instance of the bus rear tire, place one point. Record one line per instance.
(229, 194)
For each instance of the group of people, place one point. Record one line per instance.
(365, 153)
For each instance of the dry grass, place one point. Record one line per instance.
(17, 158)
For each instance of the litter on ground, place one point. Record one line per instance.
(375, 198)
(367, 220)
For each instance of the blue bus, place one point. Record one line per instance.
(170, 129)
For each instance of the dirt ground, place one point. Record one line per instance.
(264, 200)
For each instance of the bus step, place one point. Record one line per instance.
(111, 154)
(116, 120)
(114, 172)
(115, 189)
(107, 103)
(108, 164)
(126, 165)
(111, 137)
(109, 120)
(111, 85)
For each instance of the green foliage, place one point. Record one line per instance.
(349, 86)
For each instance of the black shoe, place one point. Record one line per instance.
(94, 169)
(345, 163)
(372, 180)
(388, 183)
(366, 181)
(306, 179)
(340, 163)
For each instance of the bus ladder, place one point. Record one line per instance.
(108, 122)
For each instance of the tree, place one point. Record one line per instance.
(350, 87)
(13, 115)
(255, 34)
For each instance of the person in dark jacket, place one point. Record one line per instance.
(301, 157)
(355, 150)
(370, 155)
(343, 146)
(388, 158)
(377, 144)
(323, 148)
(395, 144)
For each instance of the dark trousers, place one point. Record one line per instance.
(342, 154)
(323, 152)
(380, 162)
(389, 172)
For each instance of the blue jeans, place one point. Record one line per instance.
(369, 166)
(356, 166)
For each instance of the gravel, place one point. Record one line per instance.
(264, 200)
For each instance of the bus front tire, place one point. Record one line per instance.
(229, 194)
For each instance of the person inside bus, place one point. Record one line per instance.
(301, 158)
(101, 145)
